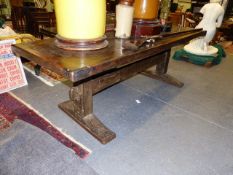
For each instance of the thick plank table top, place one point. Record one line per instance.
(78, 65)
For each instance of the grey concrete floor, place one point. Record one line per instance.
(173, 131)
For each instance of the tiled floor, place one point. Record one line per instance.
(173, 131)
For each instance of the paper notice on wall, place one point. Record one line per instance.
(12, 75)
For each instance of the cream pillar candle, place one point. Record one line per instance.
(124, 20)
(80, 19)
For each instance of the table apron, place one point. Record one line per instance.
(109, 78)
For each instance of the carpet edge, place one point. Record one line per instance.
(59, 129)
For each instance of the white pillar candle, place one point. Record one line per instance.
(124, 20)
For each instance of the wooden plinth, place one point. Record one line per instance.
(145, 28)
(82, 44)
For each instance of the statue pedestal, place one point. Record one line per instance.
(198, 51)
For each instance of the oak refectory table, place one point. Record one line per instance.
(93, 71)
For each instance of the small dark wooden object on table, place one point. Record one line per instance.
(93, 71)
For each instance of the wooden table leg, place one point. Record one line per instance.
(80, 108)
(161, 72)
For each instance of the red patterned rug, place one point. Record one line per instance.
(4, 123)
(12, 108)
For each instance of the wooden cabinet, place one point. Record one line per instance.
(229, 9)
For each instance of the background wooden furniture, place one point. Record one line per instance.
(16, 3)
(48, 31)
(39, 20)
(18, 19)
(93, 71)
(22, 18)
(177, 19)
(28, 11)
(227, 29)
(3, 6)
(111, 6)
(229, 9)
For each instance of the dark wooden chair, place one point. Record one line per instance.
(18, 19)
(28, 13)
(21, 18)
(176, 18)
(40, 20)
